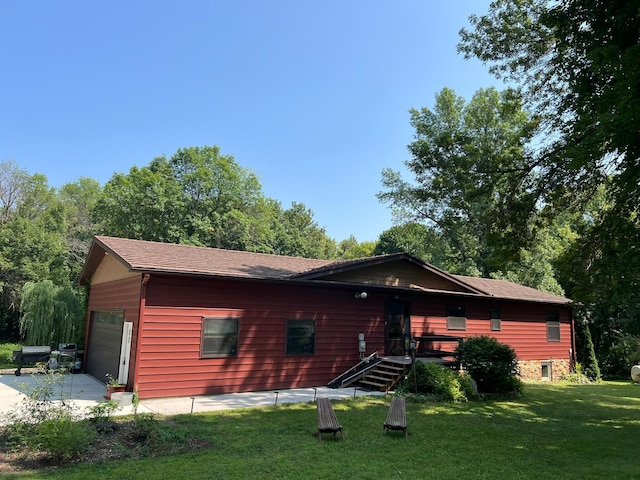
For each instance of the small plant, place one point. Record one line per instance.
(101, 412)
(145, 427)
(112, 381)
(135, 402)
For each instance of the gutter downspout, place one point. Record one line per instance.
(143, 302)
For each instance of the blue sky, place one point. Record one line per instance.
(313, 96)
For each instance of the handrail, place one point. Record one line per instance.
(373, 356)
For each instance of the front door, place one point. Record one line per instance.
(397, 331)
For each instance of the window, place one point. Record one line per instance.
(496, 322)
(545, 370)
(456, 318)
(301, 336)
(553, 327)
(219, 337)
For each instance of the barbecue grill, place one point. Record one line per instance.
(65, 356)
(31, 354)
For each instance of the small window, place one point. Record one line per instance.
(496, 322)
(219, 337)
(301, 337)
(553, 327)
(456, 318)
(545, 370)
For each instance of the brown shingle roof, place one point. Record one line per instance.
(145, 256)
(504, 289)
(140, 255)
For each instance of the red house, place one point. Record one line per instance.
(177, 320)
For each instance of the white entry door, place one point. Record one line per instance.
(125, 353)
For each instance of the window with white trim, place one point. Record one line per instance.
(219, 337)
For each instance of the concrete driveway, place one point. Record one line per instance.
(85, 391)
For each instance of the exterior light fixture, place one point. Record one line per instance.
(361, 295)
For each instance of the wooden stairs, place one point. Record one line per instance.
(384, 375)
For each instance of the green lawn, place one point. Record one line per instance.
(552, 432)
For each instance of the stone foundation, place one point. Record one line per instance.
(554, 369)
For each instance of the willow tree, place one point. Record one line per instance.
(50, 314)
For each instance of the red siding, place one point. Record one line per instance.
(523, 325)
(169, 362)
(119, 294)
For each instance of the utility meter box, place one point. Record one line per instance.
(362, 345)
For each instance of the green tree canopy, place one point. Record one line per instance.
(201, 197)
(50, 314)
(415, 239)
(463, 159)
(350, 248)
(577, 65)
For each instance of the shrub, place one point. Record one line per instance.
(63, 438)
(622, 355)
(45, 422)
(490, 363)
(102, 411)
(6, 353)
(436, 381)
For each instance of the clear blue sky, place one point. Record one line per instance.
(312, 95)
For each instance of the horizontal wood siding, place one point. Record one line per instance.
(170, 363)
(524, 325)
(118, 294)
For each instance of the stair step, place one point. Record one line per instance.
(389, 366)
(385, 379)
(375, 384)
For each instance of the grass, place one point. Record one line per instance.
(554, 431)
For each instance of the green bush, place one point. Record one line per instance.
(621, 356)
(63, 438)
(437, 382)
(491, 364)
(102, 411)
(6, 354)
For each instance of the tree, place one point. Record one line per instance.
(298, 234)
(146, 204)
(197, 197)
(576, 62)
(79, 199)
(350, 248)
(32, 245)
(12, 179)
(466, 159)
(50, 314)
(415, 239)
(201, 197)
